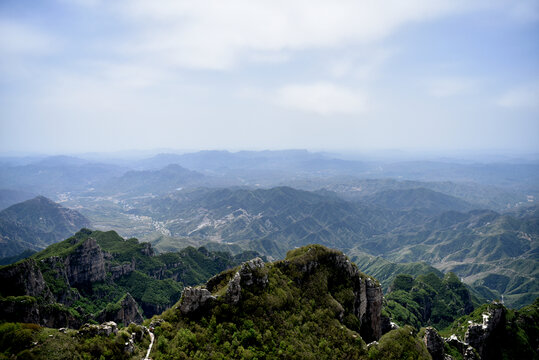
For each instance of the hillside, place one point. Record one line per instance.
(169, 178)
(313, 304)
(35, 224)
(490, 251)
(268, 221)
(421, 199)
(12, 197)
(57, 175)
(493, 252)
(99, 275)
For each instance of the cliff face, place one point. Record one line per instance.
(333, 280)
(99, 268)
(86, 264)
(24, 278)
(127, 312)
(368, 296)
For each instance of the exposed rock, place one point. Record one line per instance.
(471, 354)
(434, 343)
(104, 329)
(368, 297)
(233, 292)
(86, 264)
(386, 325)
(370, 318)
(195, 299)
(479, 335)
(121, 270)
(24, 278)
(249, 274)
(147, 249)
(454, 341)
(126, 314)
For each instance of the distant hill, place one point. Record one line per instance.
(170, 178)
(12, 197)
(487, 249)
(422, 199)
(269, 221)
(35, 224)
(57, 174)
(493, 252)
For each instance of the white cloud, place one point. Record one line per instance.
(21, 39)
(526, 96)
(450, 86)
(364, 67)
(219, 34)
(322, 99)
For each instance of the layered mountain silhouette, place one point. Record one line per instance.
(35, 224)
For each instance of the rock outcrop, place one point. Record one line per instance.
(24, 278)
(250, 274)
(128, 312)
(481, 335)
(434, 343)
(368, 297)
(105, 329)
(120, 270)
(86, 264)
(387, 325)
(194, 300)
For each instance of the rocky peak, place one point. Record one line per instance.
(24, 278)
(480, 335)
(86, 264)
(249, 274)
(127, 312)
(195, 299)
(368, 297)
(434, 343)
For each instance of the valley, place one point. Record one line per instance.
(134, 244)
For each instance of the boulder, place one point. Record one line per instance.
(434, 344)
(195, 299)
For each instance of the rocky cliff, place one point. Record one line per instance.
(86, 264)
(126, 312)
(491, 332)
(350, 294)
(99, 275)
(23, 278)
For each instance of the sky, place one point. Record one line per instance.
(435, 75)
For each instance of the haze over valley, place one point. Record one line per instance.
(269, 180)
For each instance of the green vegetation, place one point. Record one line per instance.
(427, 300)
(400, 344)
(30, 341)
(34, 224)
(516, 338)
(154, 281)
(299, 315)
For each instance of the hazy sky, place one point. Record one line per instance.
(91, 75)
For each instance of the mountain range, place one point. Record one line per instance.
(487, 249)
(35, 224)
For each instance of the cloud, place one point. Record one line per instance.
(321, 98)
(218, 35)
(361, 67)
(526, 96)
(22, 39)
(450, 86)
